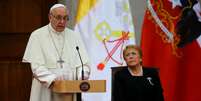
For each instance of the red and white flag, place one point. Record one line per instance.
(180, 68)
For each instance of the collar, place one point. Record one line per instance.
(133, 74)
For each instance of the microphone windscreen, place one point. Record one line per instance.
(77, 47)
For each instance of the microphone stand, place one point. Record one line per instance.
(82, 71)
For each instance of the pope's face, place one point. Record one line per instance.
(58, 19)
(132, 57)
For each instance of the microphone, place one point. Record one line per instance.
(82, 71)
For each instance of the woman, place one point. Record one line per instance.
(135, 82)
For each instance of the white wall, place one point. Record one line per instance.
(137, 9)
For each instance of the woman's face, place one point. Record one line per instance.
(132, 57)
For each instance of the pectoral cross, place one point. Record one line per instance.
(60, 61)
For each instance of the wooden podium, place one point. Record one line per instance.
(79, 86)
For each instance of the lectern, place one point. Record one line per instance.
(79, 86)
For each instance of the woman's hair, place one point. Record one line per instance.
(132, 47)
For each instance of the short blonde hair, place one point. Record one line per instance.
(132, 47)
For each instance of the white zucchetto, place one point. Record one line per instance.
(57, 6)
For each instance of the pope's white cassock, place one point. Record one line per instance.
(44, 50)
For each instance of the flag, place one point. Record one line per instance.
(179, 67)
(106, 28)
